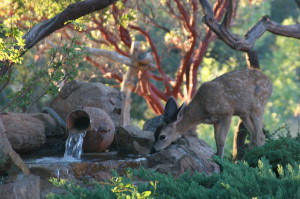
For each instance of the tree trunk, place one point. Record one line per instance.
(127, 86)
(239, 146)
(140, 60)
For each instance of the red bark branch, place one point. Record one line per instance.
(158, 92)
(103, 70)
(110, 37)
(219, 10)
(123, 32)
(156, 56)
(125, 36)
(187, 58)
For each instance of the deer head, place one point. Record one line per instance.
(166, 133)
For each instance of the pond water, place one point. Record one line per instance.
(85, 157)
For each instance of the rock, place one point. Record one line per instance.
(152, 124)
(132, 140)
(25, 187)
(46, 171)
(188, 153)
(9, 159)
(85, 170)
(82, 171)
(76, 95)
(102, 176)
(26, 132)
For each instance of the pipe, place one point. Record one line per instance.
(55, 116)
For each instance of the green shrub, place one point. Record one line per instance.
(283, 151)
(236, 181)
(280, 149)
(74, 191)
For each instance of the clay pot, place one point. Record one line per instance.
(98, 125)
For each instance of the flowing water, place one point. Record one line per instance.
(73, 154)
(74, 144)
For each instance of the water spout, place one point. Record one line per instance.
(77, 124)
(90, 130)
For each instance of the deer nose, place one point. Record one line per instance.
(152, 151)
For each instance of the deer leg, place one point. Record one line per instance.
(249, 124)
(221, 129)
(254, 125)
(258, 138)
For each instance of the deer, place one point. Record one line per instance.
(243, 93)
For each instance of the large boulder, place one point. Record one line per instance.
(188, 154)
(10, 161)
(76, 95)
(132, 140)
(26, 132)
(25, 187)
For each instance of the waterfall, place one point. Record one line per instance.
(74, 144)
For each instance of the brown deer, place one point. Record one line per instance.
(241, 92)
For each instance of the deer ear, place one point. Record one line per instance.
(170, 108)
(180, 112)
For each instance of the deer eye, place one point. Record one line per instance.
(162, 137)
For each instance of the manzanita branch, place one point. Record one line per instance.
(156, 56)
(247, 43)
(219, 10)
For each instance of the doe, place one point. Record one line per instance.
(240, 92)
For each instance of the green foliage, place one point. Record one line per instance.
(128, 16)
(74, 191)
(280, 65)
(235, 181)
(12, 38)
(35, 9)
(118, 187)
(128, 190)
(62, 66)
(283, 150)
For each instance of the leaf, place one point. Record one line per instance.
(146, 193)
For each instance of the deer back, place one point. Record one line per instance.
(236, 92)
